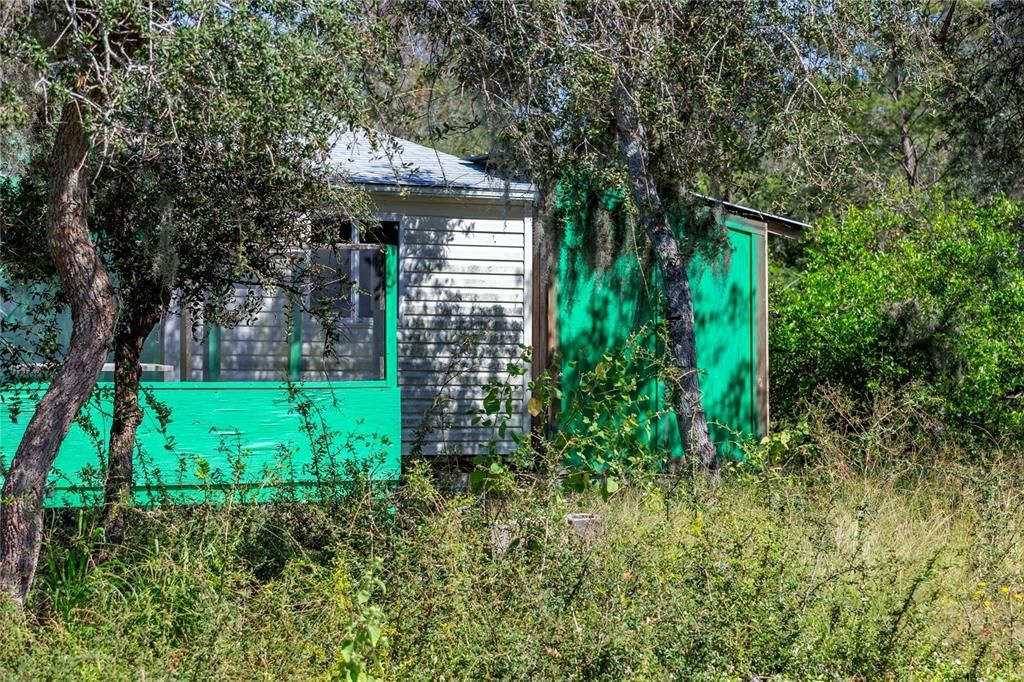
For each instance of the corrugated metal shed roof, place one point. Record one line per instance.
(386, 160)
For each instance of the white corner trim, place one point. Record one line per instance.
(527, 315)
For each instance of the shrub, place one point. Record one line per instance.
(930, 294)
(605, 432)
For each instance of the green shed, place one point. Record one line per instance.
(593, 307)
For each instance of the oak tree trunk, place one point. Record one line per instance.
(909, 152)
(673, 264)
(143, 310)
(908, 149)
(93, 313)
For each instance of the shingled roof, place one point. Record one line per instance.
(388, 161)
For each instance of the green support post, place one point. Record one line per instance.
(391, 315)
(213, 354)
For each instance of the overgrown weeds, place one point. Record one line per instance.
(766, 576)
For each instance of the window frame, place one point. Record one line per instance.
(296, 336)
(211, 350)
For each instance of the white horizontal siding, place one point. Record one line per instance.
(254, 375)
(257, 348)
(471, 253)
(436, 377)
(446, 405)
(317, 349)
(453, 448)
(474, 436)
(452, 337)
(452, 227)
(463, 427)
(438, 264)
(459, 278)
(415, 350)
(487, 362)
(463, 238)
(464, 294)
(453, 307)
(476, 322)
(471, 392)
(448, 280)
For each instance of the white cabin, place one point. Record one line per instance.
(465, 284)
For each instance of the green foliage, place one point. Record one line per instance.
(894, 573)
(716, 80)
(602, 437)
(200, 175)
(492, 471)
(606, 431)
(912, 92)
(66, 569)
(364, 633)
(930, 294)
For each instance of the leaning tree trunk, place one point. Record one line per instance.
(143, 312)
(93, 313)
(673, 264)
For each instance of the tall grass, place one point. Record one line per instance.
(847, 553)
(860, 580)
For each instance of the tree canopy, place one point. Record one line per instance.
(193, 140)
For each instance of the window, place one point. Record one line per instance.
(333, 331)
(331, 327)
(258, 348)
(343, 325)
(32, 339)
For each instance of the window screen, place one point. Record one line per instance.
(343, 324)
(258, 348)
(29, 340)
(331, 327)
(334, 330)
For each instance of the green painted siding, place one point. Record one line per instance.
(600, 305)
(213, 426)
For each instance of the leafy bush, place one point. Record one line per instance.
(604, 433)
(892, 295)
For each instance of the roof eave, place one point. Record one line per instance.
(518, 194)
(778, 225)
